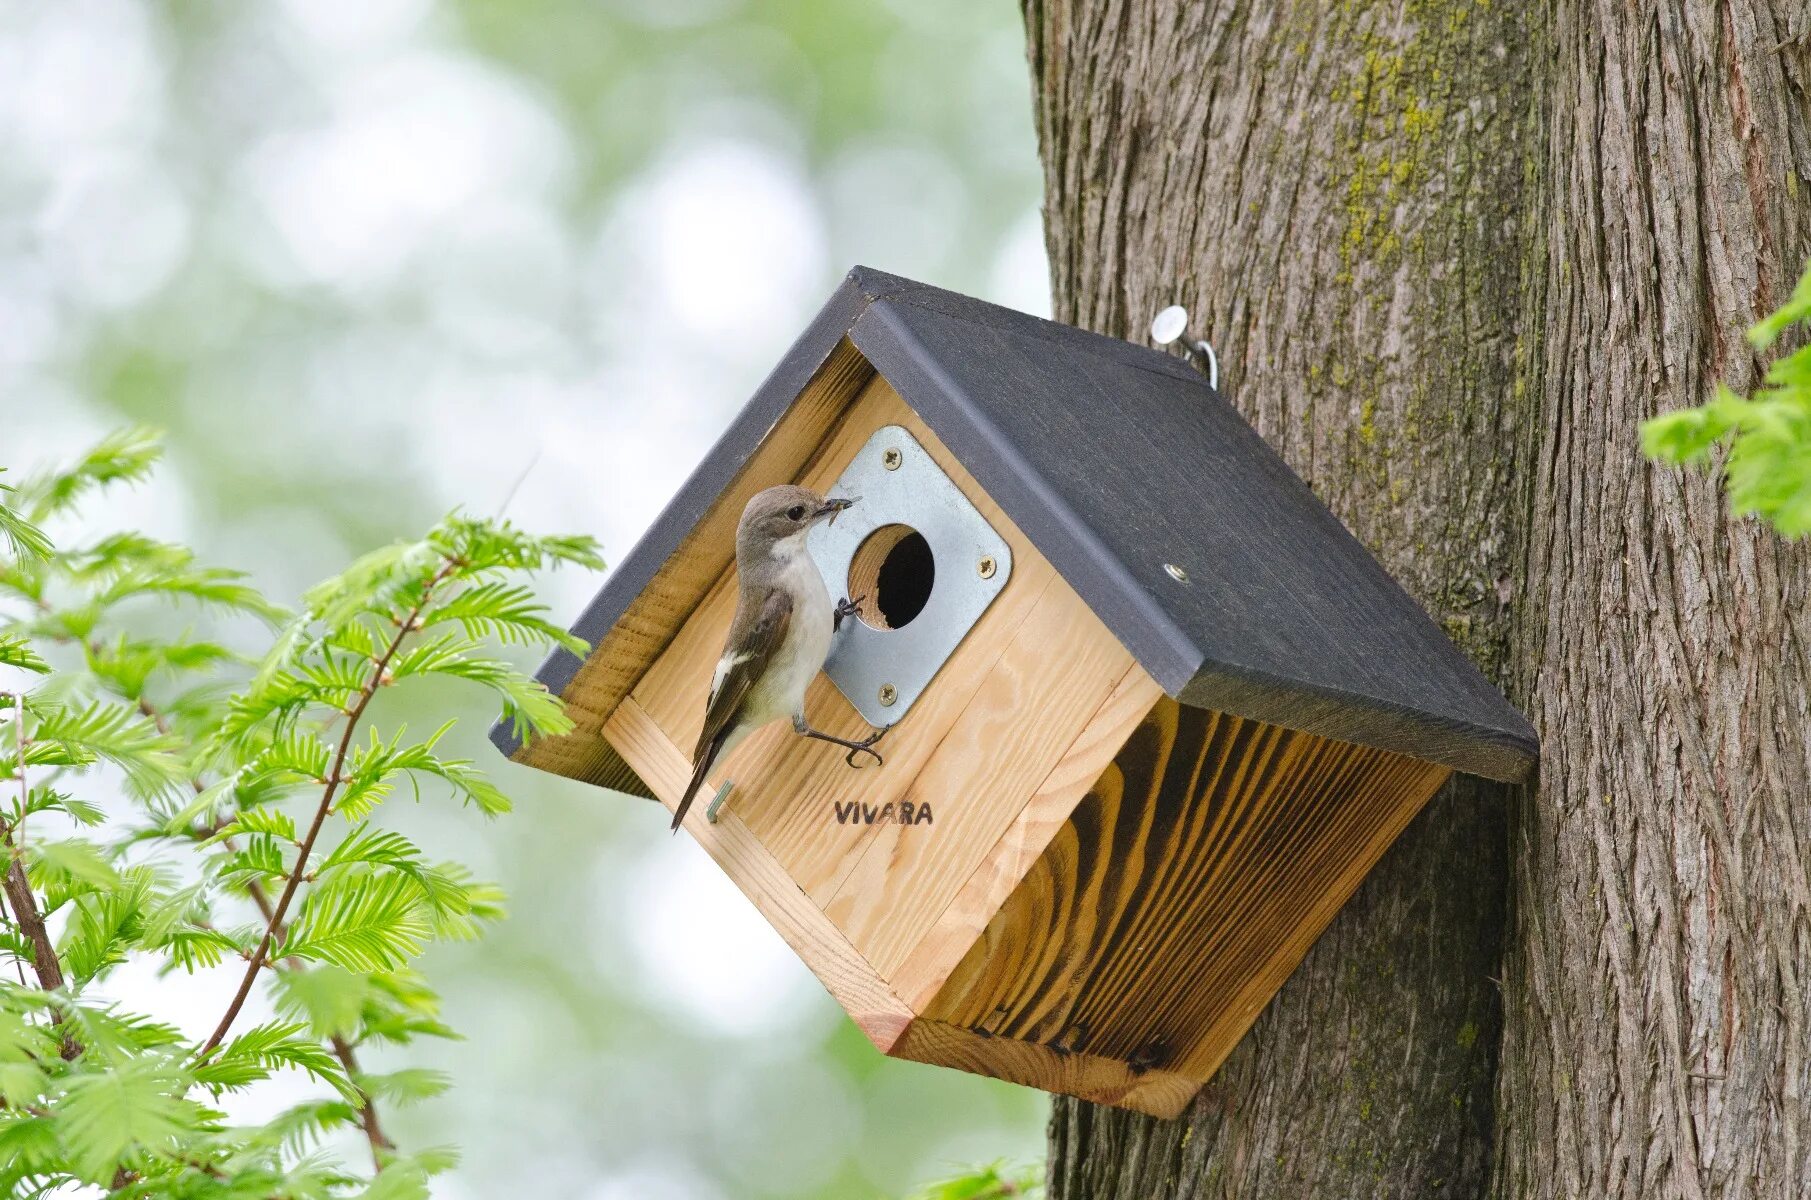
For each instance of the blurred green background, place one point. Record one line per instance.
(370, 259)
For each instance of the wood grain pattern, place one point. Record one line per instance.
(645, 628)
(983, 893)
(1105, 1080)
(848, 977)
(1021, 720)
(1182, 890)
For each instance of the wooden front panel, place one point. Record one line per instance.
(1182, 891)
(1000, 715)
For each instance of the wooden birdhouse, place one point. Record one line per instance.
(1154, 712)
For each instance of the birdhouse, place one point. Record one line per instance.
(1152, 712)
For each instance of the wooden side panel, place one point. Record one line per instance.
(644, 630)
(982, 894)
(1183, 890)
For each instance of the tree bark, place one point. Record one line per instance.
(1450, 253)
(1659, 1009)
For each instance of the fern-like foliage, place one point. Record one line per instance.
(995, 1182)
(173, 801)
(1767, 469)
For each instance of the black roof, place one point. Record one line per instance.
(1118, 461)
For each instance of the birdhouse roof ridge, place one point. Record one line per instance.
(1193, 542)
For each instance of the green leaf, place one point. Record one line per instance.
(526, 703)
(481, 545)
(123, 456)
(69, 863)
(253, 1055)
(371, 768)
(272, 822)
(119, 735)
(128, 666)
(399, 1181)
(994, 1182)
(365, 923)
(106, 924)
(25, 539)
(27, 1143)
(192, 949)
(329, 998)
(508, 612)
(369, 844)
(407, 1086)
(1795, 310)
(372, 584)
(16, 651)
(104, 1115)
(1767, 470)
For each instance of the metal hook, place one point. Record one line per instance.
(1169, 326)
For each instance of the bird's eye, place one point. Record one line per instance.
(796, 512)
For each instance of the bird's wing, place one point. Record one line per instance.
(745, 660)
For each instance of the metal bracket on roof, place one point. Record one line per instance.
(1169, 326)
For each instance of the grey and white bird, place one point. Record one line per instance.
(780, 635)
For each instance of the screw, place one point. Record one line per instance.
(891, 458)
(888, 694)
(1175, 572)
(986, 566)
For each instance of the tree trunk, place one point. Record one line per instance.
(1450, 254)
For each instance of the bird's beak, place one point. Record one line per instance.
(832, 506)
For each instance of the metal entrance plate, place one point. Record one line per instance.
(882, 672)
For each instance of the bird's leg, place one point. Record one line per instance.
(865, 746)
(845, 608)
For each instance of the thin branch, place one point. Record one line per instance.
(7, 916)
(17, 886)
(19, 739)
(342, 1049)
(25, 913)
(376, 679)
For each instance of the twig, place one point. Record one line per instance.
(294, 881)
(25, 905)
(19, 738)
(7, 916)
(342, 1049)
(25, 913)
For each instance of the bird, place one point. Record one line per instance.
(780, 635)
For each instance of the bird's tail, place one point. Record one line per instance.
(706, 757)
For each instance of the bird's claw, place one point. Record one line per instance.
(866, 746)
(845, 608)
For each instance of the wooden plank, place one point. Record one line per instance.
(1182, 890)
(648, 623)
(960, 924)
(1046, 686)
(848, 977)
(1102, 1080)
